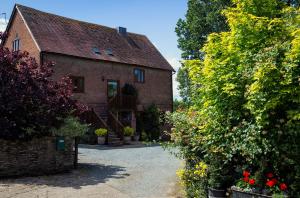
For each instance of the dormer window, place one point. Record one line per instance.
(109, 52)
(96, 50)
(16, 44)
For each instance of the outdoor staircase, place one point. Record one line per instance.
(113, 139)
(106, 120)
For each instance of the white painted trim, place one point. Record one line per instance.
(28, 29)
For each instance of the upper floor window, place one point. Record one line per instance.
(16, 44)
(139, 75)
(78, 84)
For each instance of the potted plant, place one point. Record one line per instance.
(249, 187)
(218, 177)
(216, 188)
(101, 134)
(128, 132)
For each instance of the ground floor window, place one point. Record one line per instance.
(78, 84)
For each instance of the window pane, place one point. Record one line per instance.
(112, 88)
(139, 75)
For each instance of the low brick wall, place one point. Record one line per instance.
(35, 157)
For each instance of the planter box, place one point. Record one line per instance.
(216, 193)
(241, 194)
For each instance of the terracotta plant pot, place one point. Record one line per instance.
(216, 193)
(101, 140)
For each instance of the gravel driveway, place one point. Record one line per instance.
(128, 171)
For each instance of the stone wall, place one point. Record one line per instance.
(35, 157)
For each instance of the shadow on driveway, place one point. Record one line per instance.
(86, 174)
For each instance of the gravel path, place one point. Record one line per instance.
(121, 172)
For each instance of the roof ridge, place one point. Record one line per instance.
(77, 20)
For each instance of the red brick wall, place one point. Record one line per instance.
(157, 88)
(26, 41)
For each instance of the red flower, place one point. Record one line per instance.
(283, 186)
(270, 183)
(252, 181)
(246, 173)
(274, 180)
(270, 175)
(246, 179)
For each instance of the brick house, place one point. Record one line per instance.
(103, 63)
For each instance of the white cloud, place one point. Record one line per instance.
(175, 62)
(2, 25)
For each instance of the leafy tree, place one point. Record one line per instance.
(30, 102)
(202, 18)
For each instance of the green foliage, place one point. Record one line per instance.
(128, 131)
(202, 18)
(178, 105)
(71, 127)
(184, 85)
(101, 132)
(150, 121)
(144, 136)
(246, 97)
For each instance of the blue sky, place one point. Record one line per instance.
(154, 18)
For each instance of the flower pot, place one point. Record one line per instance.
(216, 193)
(101, 140)
(236, 193)
(127, 139)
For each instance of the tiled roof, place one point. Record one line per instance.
(63, 35)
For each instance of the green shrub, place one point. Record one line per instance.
(101, 132)
(150, 121)
(71, 127)
(144, 136)
(128, 131)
